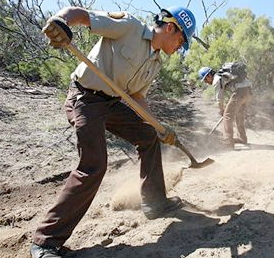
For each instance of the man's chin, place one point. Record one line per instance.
(169, 52)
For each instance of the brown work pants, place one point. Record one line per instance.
(91, 114)
(235, 110)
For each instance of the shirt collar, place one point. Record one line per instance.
(148, 33)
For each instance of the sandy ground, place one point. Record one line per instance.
(229, 205)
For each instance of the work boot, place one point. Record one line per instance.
(239, 140)
(37, 251)
(160, 209)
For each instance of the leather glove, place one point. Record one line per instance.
(169, 137)
(58, 32)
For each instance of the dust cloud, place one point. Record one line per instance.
(127, 197)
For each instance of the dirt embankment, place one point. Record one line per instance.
(229, 205)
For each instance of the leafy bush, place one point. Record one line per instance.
(171, 74)
(24, 50)
(240, 36)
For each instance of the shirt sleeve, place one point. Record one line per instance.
(110, 25)
(219, 90)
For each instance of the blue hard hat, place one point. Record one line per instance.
(185, 21)
(203, 72)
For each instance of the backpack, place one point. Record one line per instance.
(234, 71)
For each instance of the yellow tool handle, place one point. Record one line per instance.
(217, 124)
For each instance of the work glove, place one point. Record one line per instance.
(58, 32)
(169, 137)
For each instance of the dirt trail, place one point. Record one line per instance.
(229, 205)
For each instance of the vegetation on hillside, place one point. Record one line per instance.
(238, 36)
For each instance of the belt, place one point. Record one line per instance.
(76, 84)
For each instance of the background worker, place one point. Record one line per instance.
(239, 97)
(128, 52)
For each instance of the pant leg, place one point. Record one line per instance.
(87, 114)
(243, 99)
(229, 116)
(240, 124)
(126, 124)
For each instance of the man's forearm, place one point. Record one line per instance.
(74, 16)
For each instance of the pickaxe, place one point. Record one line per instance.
(135, 106)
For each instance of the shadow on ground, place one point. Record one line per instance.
(195, 231)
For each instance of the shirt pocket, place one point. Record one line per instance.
(149, 70)
(147, 76)
(128, 55)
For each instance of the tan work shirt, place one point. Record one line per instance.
(123, 53)
(221, 84)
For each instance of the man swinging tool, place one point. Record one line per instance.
(128, 52)
(239, 89)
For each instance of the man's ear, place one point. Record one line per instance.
(170, 27)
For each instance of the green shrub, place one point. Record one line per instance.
(171, 75)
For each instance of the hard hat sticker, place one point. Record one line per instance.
(186, 19)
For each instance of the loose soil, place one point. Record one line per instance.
(229, 205)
